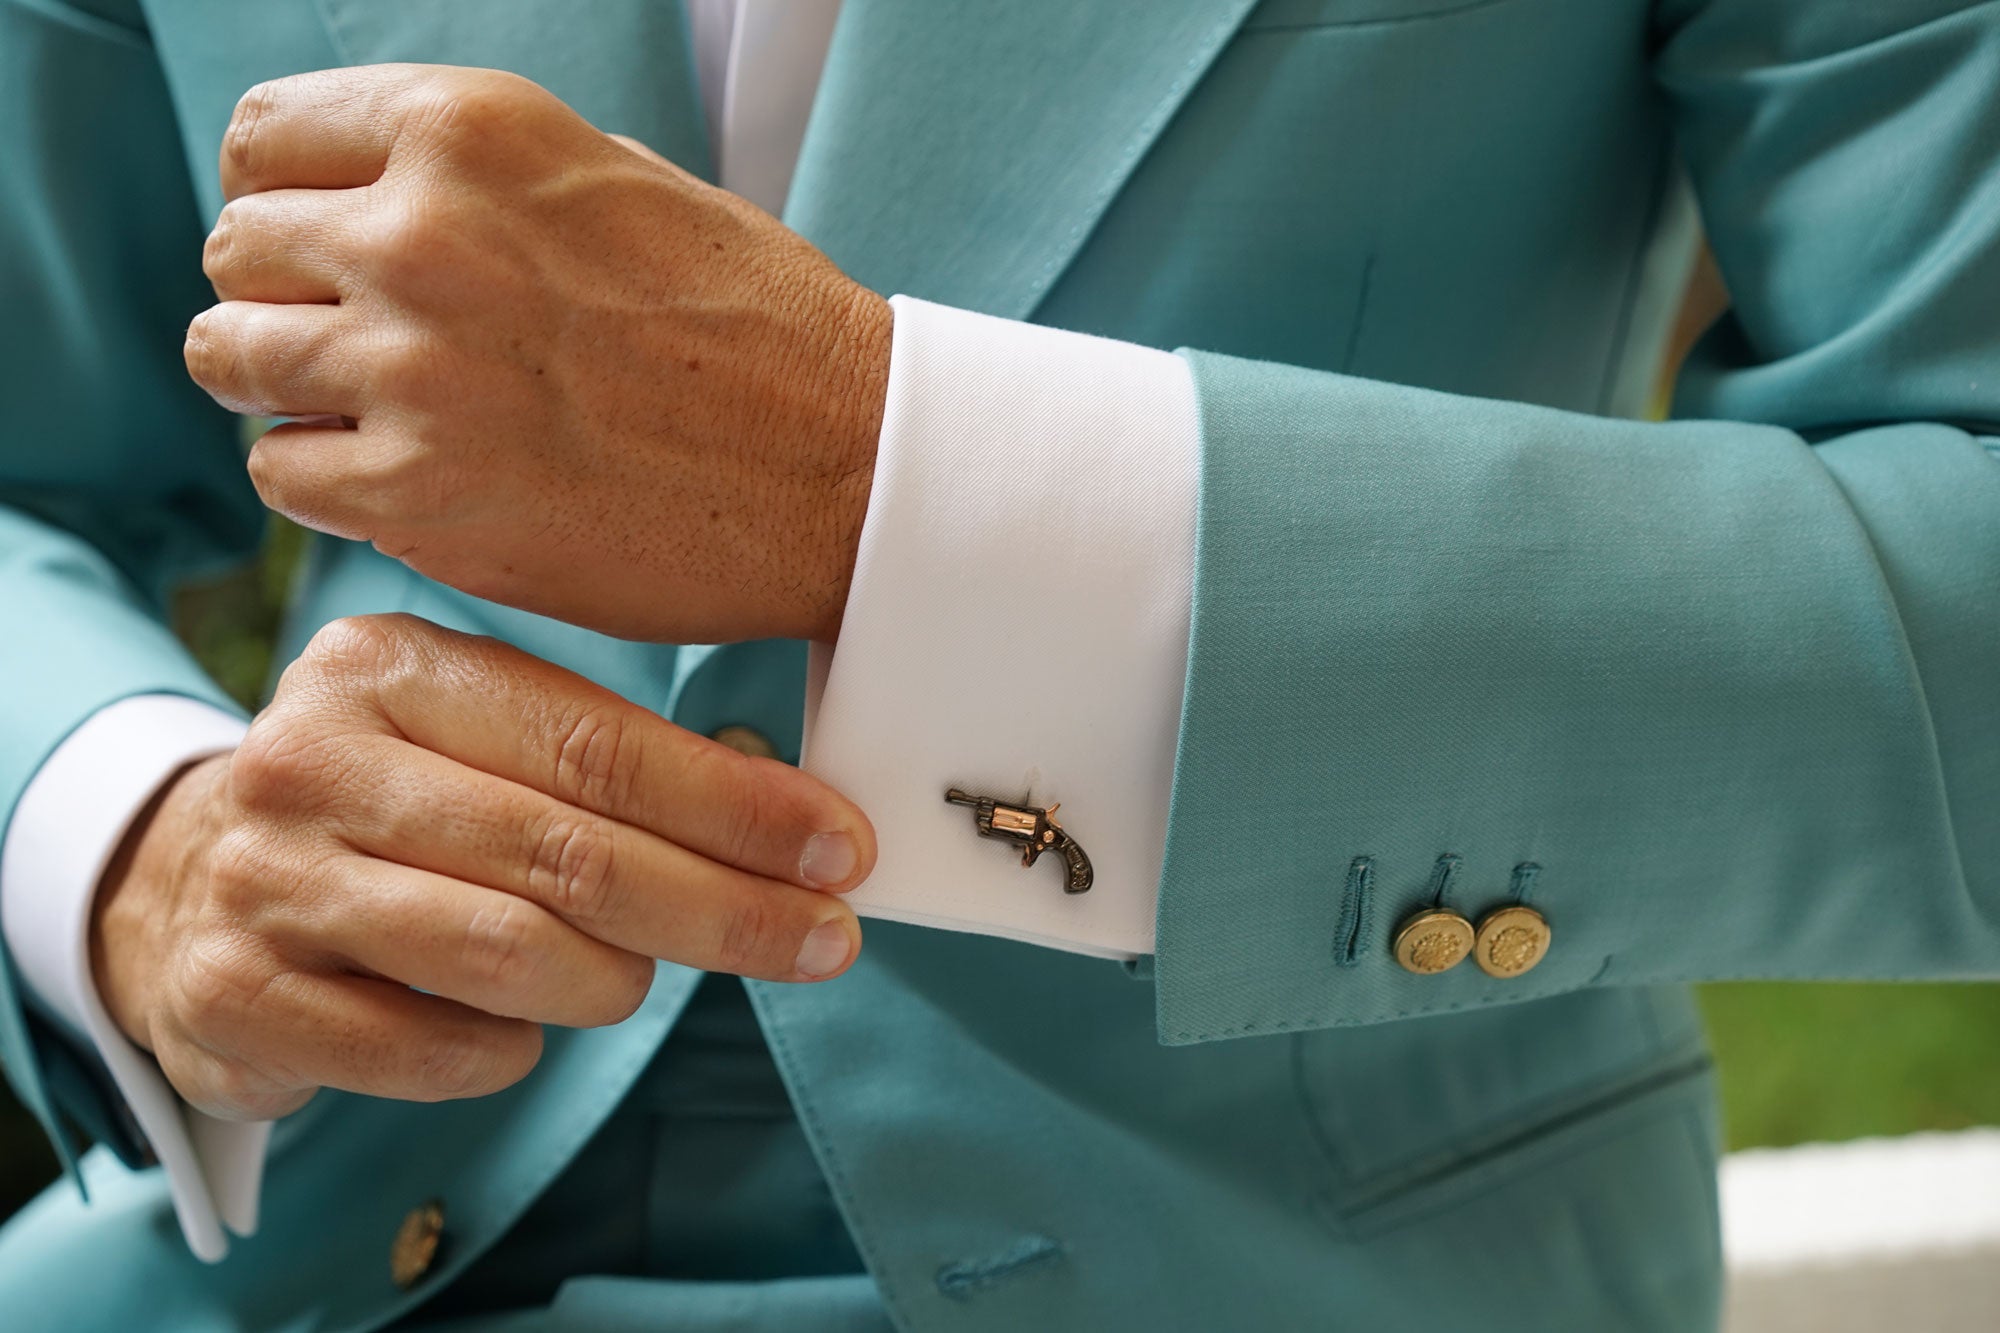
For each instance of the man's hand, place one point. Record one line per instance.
(428, 845)
(579, 380)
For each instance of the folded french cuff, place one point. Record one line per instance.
(1017, 626)
(68, 823)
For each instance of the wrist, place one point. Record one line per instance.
(860, 396)
(132, 914)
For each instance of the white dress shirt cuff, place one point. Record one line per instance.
(1017, 625)
(62, 835)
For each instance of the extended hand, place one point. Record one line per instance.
(427, 845)
(582, 382)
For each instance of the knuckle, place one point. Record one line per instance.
(463, 106)
(243, 141)
(362, 647)
(238, 866)
(571, 869)
(238, 1090)
(272, 1100)
(274, 483)
(217, 985)
(266, 771)
(597, 758)
(472, 1066)
(301, 694)
(219, 250)
(408, 239)
(741, 804)
(500, 945)
(455, 1068)
(211, 352)
(460, 106)
(752, 939)
(280, 764)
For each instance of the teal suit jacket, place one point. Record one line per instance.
(1727, 681)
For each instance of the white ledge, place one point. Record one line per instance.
(1870, 1235)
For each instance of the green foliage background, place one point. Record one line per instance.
(1799, 1062)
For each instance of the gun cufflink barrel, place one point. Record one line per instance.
(1033, 829)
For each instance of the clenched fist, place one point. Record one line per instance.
(428, 845)
(538, 363)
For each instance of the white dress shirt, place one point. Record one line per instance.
(1017, 626)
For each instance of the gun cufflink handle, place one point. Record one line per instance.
(1034, 829)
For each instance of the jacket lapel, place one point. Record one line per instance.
(962, 150)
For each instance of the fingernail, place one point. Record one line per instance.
(825, 949)
(829, 858)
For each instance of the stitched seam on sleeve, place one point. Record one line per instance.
(1313, 1022)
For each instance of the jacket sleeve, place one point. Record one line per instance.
(1720, 696)
(118, 478)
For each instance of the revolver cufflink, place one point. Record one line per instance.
(1032, 828)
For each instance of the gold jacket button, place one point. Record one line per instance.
(415, 1248)
(1432, 941)
(745, 740)
(1511, 941)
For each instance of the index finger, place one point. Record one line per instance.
(495, 708)
(331, 129)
